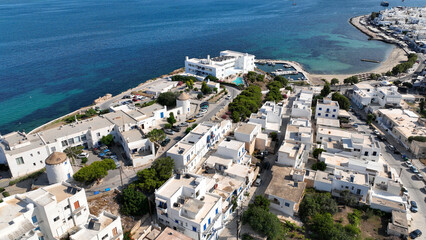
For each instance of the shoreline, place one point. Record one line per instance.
(397, 55)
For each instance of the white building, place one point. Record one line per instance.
(47, 213)
(104, 226)
(366, 95)
(139, 149)
(184, 203)
(362, 146)
(339, 181)
(234, 150)
(228, 63)
(286, 189)
(302, 105)
(326, 108)
(58, 168)
(160, 86)
(188, 152)
(25, 153)
(269, 117)
(247, 133)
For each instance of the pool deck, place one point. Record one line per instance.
(295, 65)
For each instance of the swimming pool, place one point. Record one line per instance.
(238, 81)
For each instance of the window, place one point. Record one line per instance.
(83, 137)
(194, 229)
(69, 218)
(334, 115)
(38, 152)
(53, 149)
(76, 204)
(366, 154)
(64, 143)
(320, 109)
(326, 115)
(328, 109)
(34, 219)
(114, 232)
(210, 221)
(177, 221)
(19, 160)
(41, 238)
(34, 164)
(31, 154)
(217, 211)
(71, 141)
(319, 114)
(334, 110)
(104, 237)
(56, 219)
(77, 139)
(66, 207)
(205, 226)
(98, 134)
(374, 153)
(287, 204)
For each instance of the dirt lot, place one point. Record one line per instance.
(107, 201)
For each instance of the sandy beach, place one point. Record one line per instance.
(395, 57)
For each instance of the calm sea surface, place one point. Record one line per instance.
(57, 56)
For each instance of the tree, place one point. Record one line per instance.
(199, 96)
(167, 99)
(325, 90)
(282, 80)
(334, 81)
(343, 101)
(422, 105)
(94, 171)
(164, 168)
(407, 84)
(317, 152)
(274, 136)
(155, 176)
(262, 202)
(351, 80)
(171, 119)
(314, 203)
(264, 222)
(156, 136)
(397, 82)
(211, 78)
(133, 202)
(370, 118)
(73, 152)
(319, 166)
(260, 78)
(205, 89)
(107, 140)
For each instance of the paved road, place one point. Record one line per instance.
(407, 177)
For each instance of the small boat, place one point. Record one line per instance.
(269, 63)
(287, 65)
(273, 64)
(384, 4)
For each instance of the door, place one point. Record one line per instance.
(76, 205)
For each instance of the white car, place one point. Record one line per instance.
(228, 97)
(258, 182)
(83, 155)
(203, 110)
(376, 132)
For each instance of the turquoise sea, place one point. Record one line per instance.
(57, 56)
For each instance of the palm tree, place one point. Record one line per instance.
(156, 136)
(73, 152)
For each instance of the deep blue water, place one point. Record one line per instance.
(57, 56)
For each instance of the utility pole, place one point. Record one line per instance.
(121, 177)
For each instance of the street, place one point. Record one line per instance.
(407, 177)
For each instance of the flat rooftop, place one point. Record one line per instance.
(328, 122)
(10, 209)
(388, 203)
(170, 234)
(213, 159)
(233, 144)
(245, 128)
(132, 135)
(283, 186)
(173, 184)
(291, 148)
(180, 148)
(201, 129)
(86, 232)
(334, 132)
(120, 118)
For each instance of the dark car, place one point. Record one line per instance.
(165, 142)
(176, 128)
(204, 104)
(413, 207)
(415, 234)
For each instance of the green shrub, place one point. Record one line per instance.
(317, 152)
(84, 160)
(5, 194)
(1, 189)
(133, 202)
(319, 166)
(29, 176)
(247, 236)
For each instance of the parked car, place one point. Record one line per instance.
(228, 97)
(176, 128)
(165, 142)
(204, 107)
(258, 182)
(355, 125)
(203, 110)
(183, 124)
(413, 207)
(169, 131)
(419, 176)
(392, 148)
(204, 104)
(408, 164)
(376, 132)
(83, 155)
(415, 234)
(103, 147)
(414, 169)
(191, 120)
(199, 115)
